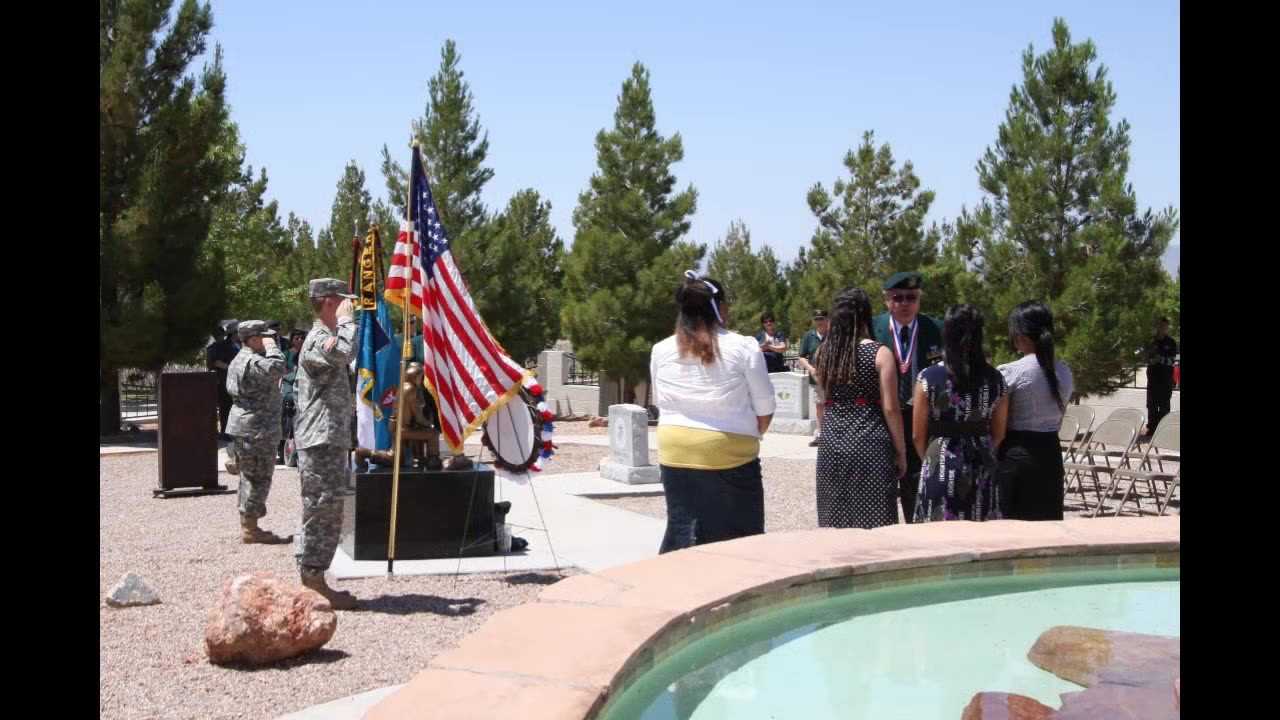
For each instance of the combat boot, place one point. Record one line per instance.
(251, 534)
(338, 599)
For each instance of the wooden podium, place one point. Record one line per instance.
(188, 436)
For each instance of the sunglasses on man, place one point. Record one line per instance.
(904, 298)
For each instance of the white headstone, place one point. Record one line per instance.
(791, 392)
(629, 435)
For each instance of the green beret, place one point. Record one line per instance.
(904, 281)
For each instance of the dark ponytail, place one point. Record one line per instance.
(699, 300)
(962, 348)
(1034, 320)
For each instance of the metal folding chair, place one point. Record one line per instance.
(1133, 415)
(1068, 433)
(1140, 448)
(1083, 413)
(1167, 437)
(1112, 441)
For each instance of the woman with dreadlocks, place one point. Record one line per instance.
(862, 453)
(961, 408)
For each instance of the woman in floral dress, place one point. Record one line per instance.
(961, 409)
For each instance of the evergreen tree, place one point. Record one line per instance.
(1059, 222)
(352, 213)
(164, 166)
(488, 250)
(628, 258)
(798, 308)
(524, 242)
(299, 270)
(255, 251)
(869, 227)
(753, 281)
(454, 148)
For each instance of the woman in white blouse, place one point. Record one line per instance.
(714, 402)
(1030, 472)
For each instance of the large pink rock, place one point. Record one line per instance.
(1091, 657)
(260, 618)
(1119, 702)
(1005, 706)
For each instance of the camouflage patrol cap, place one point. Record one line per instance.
(904, 281)
(249, 328)
(326, 287)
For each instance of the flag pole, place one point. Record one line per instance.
(406, 353)
(355, 256)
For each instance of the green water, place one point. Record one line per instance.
(910, 652)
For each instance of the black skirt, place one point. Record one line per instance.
(1030, 476)
(706, 506)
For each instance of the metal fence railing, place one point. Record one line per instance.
(578, 375)
(138, 394)
(1137, 379)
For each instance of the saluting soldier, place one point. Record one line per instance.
(322, 431)
(253, 380)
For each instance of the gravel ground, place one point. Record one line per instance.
(151, 659)
(578, 427)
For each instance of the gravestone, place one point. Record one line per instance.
(791, 395)
(628, 460)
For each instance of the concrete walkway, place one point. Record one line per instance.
(583, 533)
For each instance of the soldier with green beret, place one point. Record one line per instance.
(916, 343)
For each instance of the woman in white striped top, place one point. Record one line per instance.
(1030, 472)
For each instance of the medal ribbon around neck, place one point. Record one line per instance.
(904, 367)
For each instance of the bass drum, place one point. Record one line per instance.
(513, 433)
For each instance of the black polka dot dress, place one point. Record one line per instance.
(856, 484)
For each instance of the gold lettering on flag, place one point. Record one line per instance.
(368, 271)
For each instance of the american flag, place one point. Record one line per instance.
(466, 371)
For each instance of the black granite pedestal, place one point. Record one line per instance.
(431, 516)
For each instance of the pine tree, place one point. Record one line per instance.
(350, 217)
(754, 282)
(799, 309)
(255, 251)
(524, 242)
(628, 258)
(454, 148)
(1060, 223)
(164, 166)
(876, 229)
(299, 268)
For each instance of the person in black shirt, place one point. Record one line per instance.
(219, 356)
(1161, 355)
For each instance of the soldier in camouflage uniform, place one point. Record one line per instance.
(322, 431)
(253, 380)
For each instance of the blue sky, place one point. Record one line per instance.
(767, 98)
